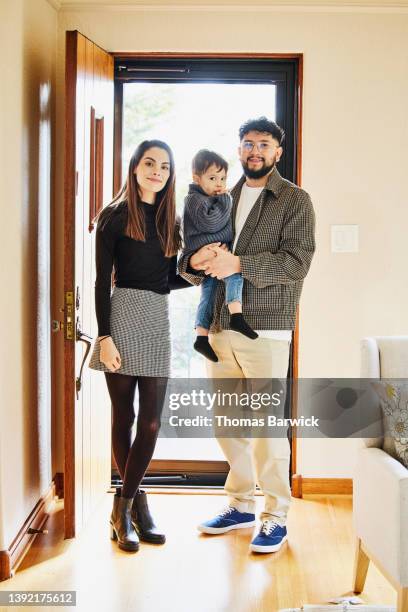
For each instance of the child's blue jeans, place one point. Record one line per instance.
(233, 293)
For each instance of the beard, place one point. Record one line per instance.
(256, 174)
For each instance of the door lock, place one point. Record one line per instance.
(69, 315)
(57, 326)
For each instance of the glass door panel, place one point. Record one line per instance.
(189, 117)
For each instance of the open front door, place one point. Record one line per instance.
(88, 184)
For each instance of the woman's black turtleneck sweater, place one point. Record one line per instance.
(137, 264)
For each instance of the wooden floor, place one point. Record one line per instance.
(198, 573)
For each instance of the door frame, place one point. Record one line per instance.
(70, 182)
(171, 466)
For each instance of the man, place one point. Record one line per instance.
(274, 225)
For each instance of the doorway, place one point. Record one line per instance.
(192, 103)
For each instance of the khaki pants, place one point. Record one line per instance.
(251, 460)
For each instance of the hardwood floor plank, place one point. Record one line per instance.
(193, 572)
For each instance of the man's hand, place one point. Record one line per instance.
(202, 257)
(223, 264)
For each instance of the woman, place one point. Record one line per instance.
(138, 235)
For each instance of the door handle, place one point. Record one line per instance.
(81, 337)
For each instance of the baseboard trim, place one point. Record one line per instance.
(187, 466)
(11, 558)
(5, 565)
(297, 485)
(320, 486)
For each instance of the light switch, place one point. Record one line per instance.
(344, 238)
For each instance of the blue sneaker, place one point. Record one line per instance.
(227, 519)
(270, 538)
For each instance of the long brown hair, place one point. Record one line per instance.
(168, 227)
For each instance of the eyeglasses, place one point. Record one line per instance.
(261, 146)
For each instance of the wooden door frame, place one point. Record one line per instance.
(158, 465)
(69, 284)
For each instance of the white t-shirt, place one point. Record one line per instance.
(248, 197)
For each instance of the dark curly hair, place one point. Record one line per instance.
(262, 124)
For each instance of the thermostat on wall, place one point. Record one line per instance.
(344, 238)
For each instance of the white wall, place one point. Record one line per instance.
(355, 156)
(27, 63)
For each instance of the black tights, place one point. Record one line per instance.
(133, 459)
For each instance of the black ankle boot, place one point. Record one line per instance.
(122, 529)
(143, 521)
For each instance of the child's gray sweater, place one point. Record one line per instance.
(206, 218)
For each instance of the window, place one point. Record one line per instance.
(192, 104)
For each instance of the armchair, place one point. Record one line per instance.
(380, 487)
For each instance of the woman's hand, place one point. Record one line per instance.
(109, 354)
(201, 257)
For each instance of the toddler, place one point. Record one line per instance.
(207, 219)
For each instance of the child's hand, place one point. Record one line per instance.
(221, 191)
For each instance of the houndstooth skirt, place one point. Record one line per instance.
(140, 329)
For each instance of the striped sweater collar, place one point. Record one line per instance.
(194, 188)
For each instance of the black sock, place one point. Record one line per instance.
(239, 324)
(202, 346)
